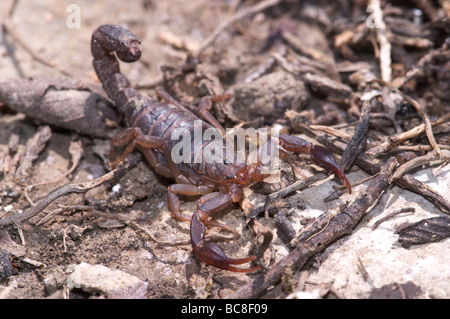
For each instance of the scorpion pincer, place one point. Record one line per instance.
(150, 125)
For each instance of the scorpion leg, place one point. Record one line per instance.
(183, 189)
(212, 223)
(169, 99)
(159, 167)
(319, 155)
(205, 106)
(213, 254)
(134, 137)
(285, 156)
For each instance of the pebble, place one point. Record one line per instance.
(106, 281)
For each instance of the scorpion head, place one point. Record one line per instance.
(244, 175)
(241, 176)
(247, 174)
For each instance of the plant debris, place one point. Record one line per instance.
(425, 231)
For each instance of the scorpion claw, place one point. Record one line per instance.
(319, 155)
(323, 158)
(213, 255)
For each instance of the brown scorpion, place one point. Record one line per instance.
(150, 124)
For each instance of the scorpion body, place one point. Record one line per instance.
(150, 127)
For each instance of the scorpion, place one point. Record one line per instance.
(150, 124)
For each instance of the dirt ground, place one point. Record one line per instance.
(259, 61)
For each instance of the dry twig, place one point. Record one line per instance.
(385, 46)
(258, 7)
(296, 186)
(401, 211)
(421, 160)
(62, 209)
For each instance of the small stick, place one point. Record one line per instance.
(410, 183)
(364, 273)
(298, 185)
(21, 236)
(361, 181)
(426, 118)
(385, 46)
(63, 209)
(238, 16)
(341, 189)
(401, 211)
(419, 147)
(426, 159)
(33, 262)
(331, 131)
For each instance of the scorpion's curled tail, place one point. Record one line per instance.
(110, 38)
(107, 40)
